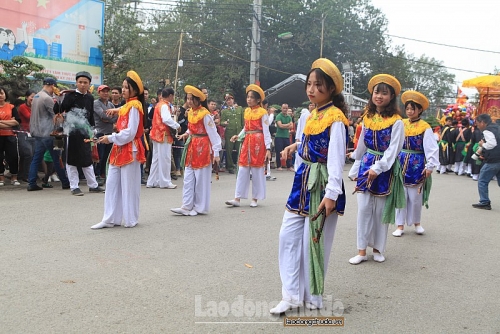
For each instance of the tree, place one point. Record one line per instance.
(15, 75)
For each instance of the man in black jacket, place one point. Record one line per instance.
(490, 153)
(79, 108)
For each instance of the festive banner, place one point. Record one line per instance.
(61, 35)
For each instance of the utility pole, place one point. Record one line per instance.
(177, 69)
(255, 49)
(323, 17)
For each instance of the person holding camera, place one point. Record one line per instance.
(489, 152)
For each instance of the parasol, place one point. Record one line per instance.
(485, 81)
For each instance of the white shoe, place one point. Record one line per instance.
(312, 306)
(181, 211)
(233, 202)
(378, 257)
(419, 229)
(284, 306)
(253, 204)
(358, 259)
(101, 225)
(54, 178)
(170, 186)
(130, 226)
(398, 233)
(193, 213)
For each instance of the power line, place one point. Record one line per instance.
(441, 44)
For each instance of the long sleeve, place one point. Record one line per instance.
(336, 160)
(208, 121)
(99, 110)
(390, 155)
(431, 150)
(265, 130)
(167, 119)
(490, 140)
(361, 148)
(128, 134)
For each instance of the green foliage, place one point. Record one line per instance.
(433, 121)
(217, 37)
(15, 75)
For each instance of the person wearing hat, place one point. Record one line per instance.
(201, 150)
(232, 119)
(162, 139)
(318, 189)
(255, 149)
(79, 108)
(418, 158)
(41, 126)
(378, 184)
(103, 126)
(123, 184)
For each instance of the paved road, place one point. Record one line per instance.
(219, 273)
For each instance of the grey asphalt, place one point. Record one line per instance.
(218, 273)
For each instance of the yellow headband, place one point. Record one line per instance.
(412, 95)
(135, 78)
(387, 79)
(329, 68)
(195, 91)
(257, 89)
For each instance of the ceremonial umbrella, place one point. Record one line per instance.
(485, 81)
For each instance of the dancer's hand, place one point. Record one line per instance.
(371, 176)
(427, 172)
(103, 140)
(328, 204)
(215, 160)
(268, 155)
(288, 151)
(233, 138)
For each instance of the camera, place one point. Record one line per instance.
(477, 154)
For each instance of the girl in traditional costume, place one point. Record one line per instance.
(255, 150)
(418, 158)
(318, 190)
(123, 184)
(200, 151)
(379, 182)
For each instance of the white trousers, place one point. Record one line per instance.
(74, 179)
(196, 189)
(412, 213)
(371, 231)
(159, 172)
(243, 182)
(294, 256)
(459, 168)
(123, 190)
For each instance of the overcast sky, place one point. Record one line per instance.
(465, 23)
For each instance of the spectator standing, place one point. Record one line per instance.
(41, 126)
(103, 126)
(232, 119)
(9, 119)
(282, 139)
(25, 141)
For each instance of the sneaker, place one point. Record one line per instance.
(76, 192)
(253, 204)
(34, 188)
(96, 190)
(54, 178)
(270, 178)
(178, 173)
(47, 185)
(358, 259)
(2, 183)
(378, 257)
(100, 181)
(484, 206)
(170, 186)
(15, 183)
(398, 233)
(232, 202)
(419, 229)
(193, 213)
